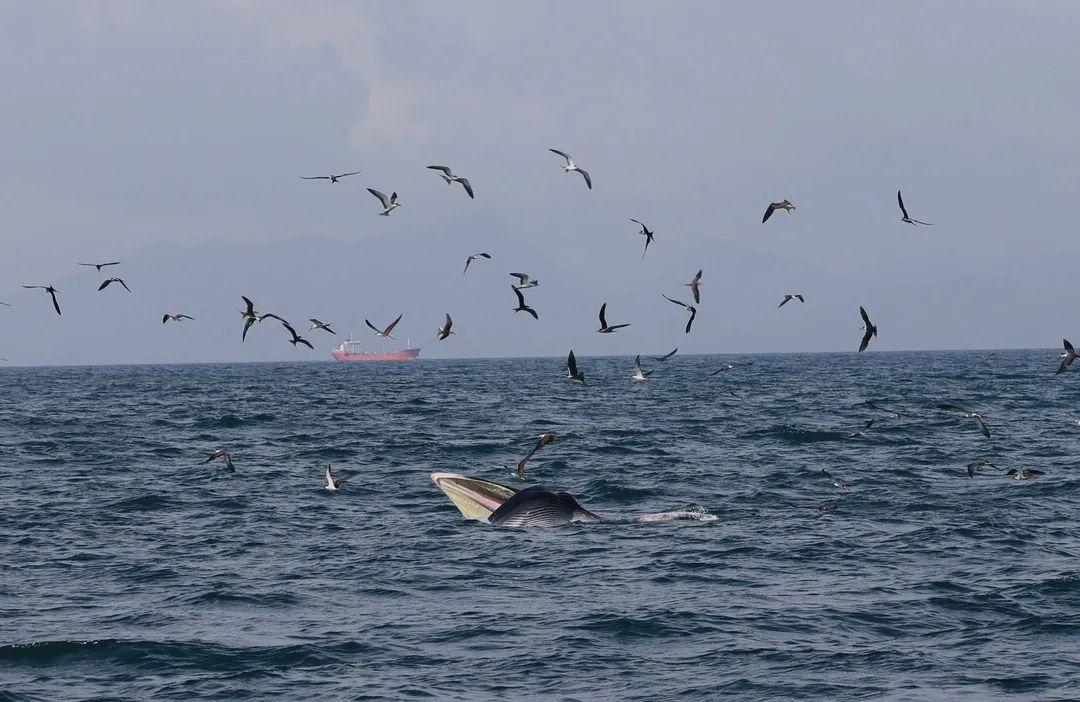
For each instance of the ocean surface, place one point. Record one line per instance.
(129, 569)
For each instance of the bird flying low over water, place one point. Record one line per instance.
(895, 414)
(640, 374)
(524, 282)
(296, 338)
(52, 293)
(690, 308)
(544, 440)
(903, 210)
(870, 330)
(249, 314)
(1067, 356)
(444, 330)
(331, 178)
(222, 453)
(788, 297)
(334, 483)
(521, 306)
(571, 166)
(730, 367)
(695, 287)
(645, 232)
(450, 178)
(113, 280)
(837, 483)
(324, 326)
(388, 203)
(472, 258)
(572, 369)
(774, 206)
(1023, 473)
(969, 415)
(666, 356)
(864, 429)
(606, 328)
(975, 466)
(174, 317)
(384, 333)
(99, 266)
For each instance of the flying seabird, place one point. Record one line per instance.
(450, 178)
(113, 280)
(695, 287)
(837, 483)
(689, 308)
(324, 326)
(1023, 473)
(605, 328)
(524, 282)
(296, 338)
(444, 331)
(774, 206)
(871, 330)
(545, 439)
(99, 266)
(388, 203)
(974, 466)
(572, 369)
(905, 218)
(385, 333)
(730, 367)
(522, 307)
(333, 483)
(893, 413)
(249, 314)
(52, 293)
(571, 166)
(640, 374)
(222, 453)
(472, 258)
(331, 178)
(1067, 356)
(666, 356)
(969, 415)
(864, 429)
(788, 297)
(645, 232)
(174, 317)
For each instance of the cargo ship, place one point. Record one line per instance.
(350, 351)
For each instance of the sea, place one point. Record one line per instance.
(132, 569)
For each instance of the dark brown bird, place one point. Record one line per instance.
(545, 439)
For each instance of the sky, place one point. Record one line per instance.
(172, 137)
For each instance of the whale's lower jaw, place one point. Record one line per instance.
(474, 498)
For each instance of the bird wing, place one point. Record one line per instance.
(315, 177)
(637, 363)
(104, 285)
(563, 154)
(1063, 366)
(382, 197)
(666, 356)
(342, 175)
(603, 322)
(484, 255)
(900, 201)
(250, 306)
(449, 322)
(571, 363)
(305, 342)
(165, 319)
(247, 325)
(125, 285)
(393, 197)
(444, 169)
(618, 326)
(865, 339)
(677, 302)
(690, 322)
(373, 327)
(639, 223)
(468, 187)
(520, 297)
(800, 298)
(531, 311)
(768, 213)
(229, 463)
(522, 278)
(866, 319)
(55, 303)
(289, 329)
(1067, 345)
(585, 175)
(787, 298)
(393, 324)
(982, 427)
(271, 315)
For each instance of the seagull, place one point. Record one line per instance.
(788, 297)
(324, 326)
(524, 282)
(522, 307)
(864, 429)
(444, 331)
(333, 483)
(388, 203)
(605, 328)
(222, 453)
(472, 258)
(99, 266)
(645, 232)
(331, 178)
(969, 415)
(571, 166)
(296, 338)
(174, 317)
(52, 293)
(1024, 473)
(871, 330)
(1067, 356)
(973, 468)
(774, 206)
(666, 356)
(572, 369)
(640, 374)
(905, 218)
(837, 483)
(730, 367)
(545, 439)
(113, 280)
(450, 178)
(695, 286)
(690, 308)
(385, 333)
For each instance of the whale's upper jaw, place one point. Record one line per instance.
(474, 498)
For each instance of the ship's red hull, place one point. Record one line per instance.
(402, 355)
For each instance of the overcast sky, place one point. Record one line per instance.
(162, 134)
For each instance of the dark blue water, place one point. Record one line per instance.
(129, 569)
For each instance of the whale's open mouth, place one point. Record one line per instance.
(474, 498)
